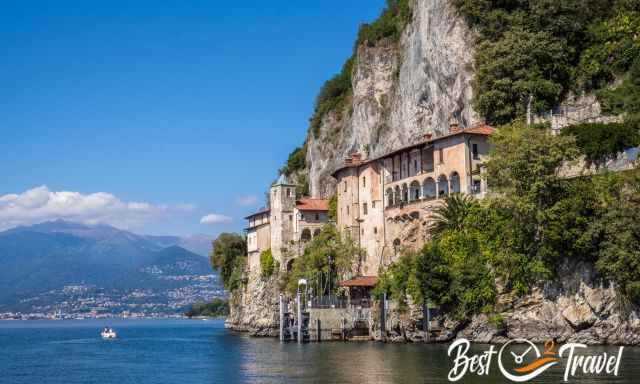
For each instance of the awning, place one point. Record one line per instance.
(360, 281)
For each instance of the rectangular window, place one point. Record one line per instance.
(290, 217)
(345, 186)
(347, 210)
(375, 230)
(476, 186)
(373, 204)
(317, 216)
(364, 208)
(475, 152)
(364, 181)
(427, 159)
(288, 192)
(440, 156)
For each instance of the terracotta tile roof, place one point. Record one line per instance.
(480, 129)
(360, 281)
(312, 204)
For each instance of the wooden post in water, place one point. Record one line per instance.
(425, 319)
(319, 330)
(281, 302)
(383, 318)
(299, 317)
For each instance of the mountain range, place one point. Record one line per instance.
(43, 266)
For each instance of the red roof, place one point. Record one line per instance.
(360, 281)
(312, 205)
(480, 129)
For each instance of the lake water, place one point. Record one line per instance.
(186, 351)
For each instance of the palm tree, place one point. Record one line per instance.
(450, 215)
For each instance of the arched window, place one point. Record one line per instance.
(396, 246)
(414, 191)
(454, 180)
(306, 235)
(429, 189)
(389, 197)
(405, 193)
(316, 232)
(443, 186)
(396, 195)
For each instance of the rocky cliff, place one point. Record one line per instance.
(580, 307)
(401, 90)
(254, 308)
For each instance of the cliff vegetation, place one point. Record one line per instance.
(336, 92)
(539, 50)
(326, 260)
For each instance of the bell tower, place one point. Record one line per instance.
(282, 196)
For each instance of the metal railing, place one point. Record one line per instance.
(338, 302)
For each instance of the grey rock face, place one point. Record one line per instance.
(254, 307)
(399, 93)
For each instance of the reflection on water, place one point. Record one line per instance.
(171, 352)
(268, 361)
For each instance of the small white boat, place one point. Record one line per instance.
(108, 333)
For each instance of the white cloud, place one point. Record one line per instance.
(214, 218)
(40, 204)
(246, 200)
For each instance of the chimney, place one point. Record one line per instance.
(453, 125)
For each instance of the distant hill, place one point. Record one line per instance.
(199, 244)
(43, 259)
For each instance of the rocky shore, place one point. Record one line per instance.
(579, 307)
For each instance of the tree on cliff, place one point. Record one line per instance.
(325, 260)
(229, 257)
(619, 231)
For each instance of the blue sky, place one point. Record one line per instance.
(152, 114)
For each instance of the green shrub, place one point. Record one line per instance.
(229, 256)
(268, 265)
(618, 232)
(296, 162)
(390, 24)
(333, 208)
(602, 142)
(398, 280)
(332, 95)
(433, 276)
(497, 320)
(545, 48)
(625, 98)
(326, 259)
